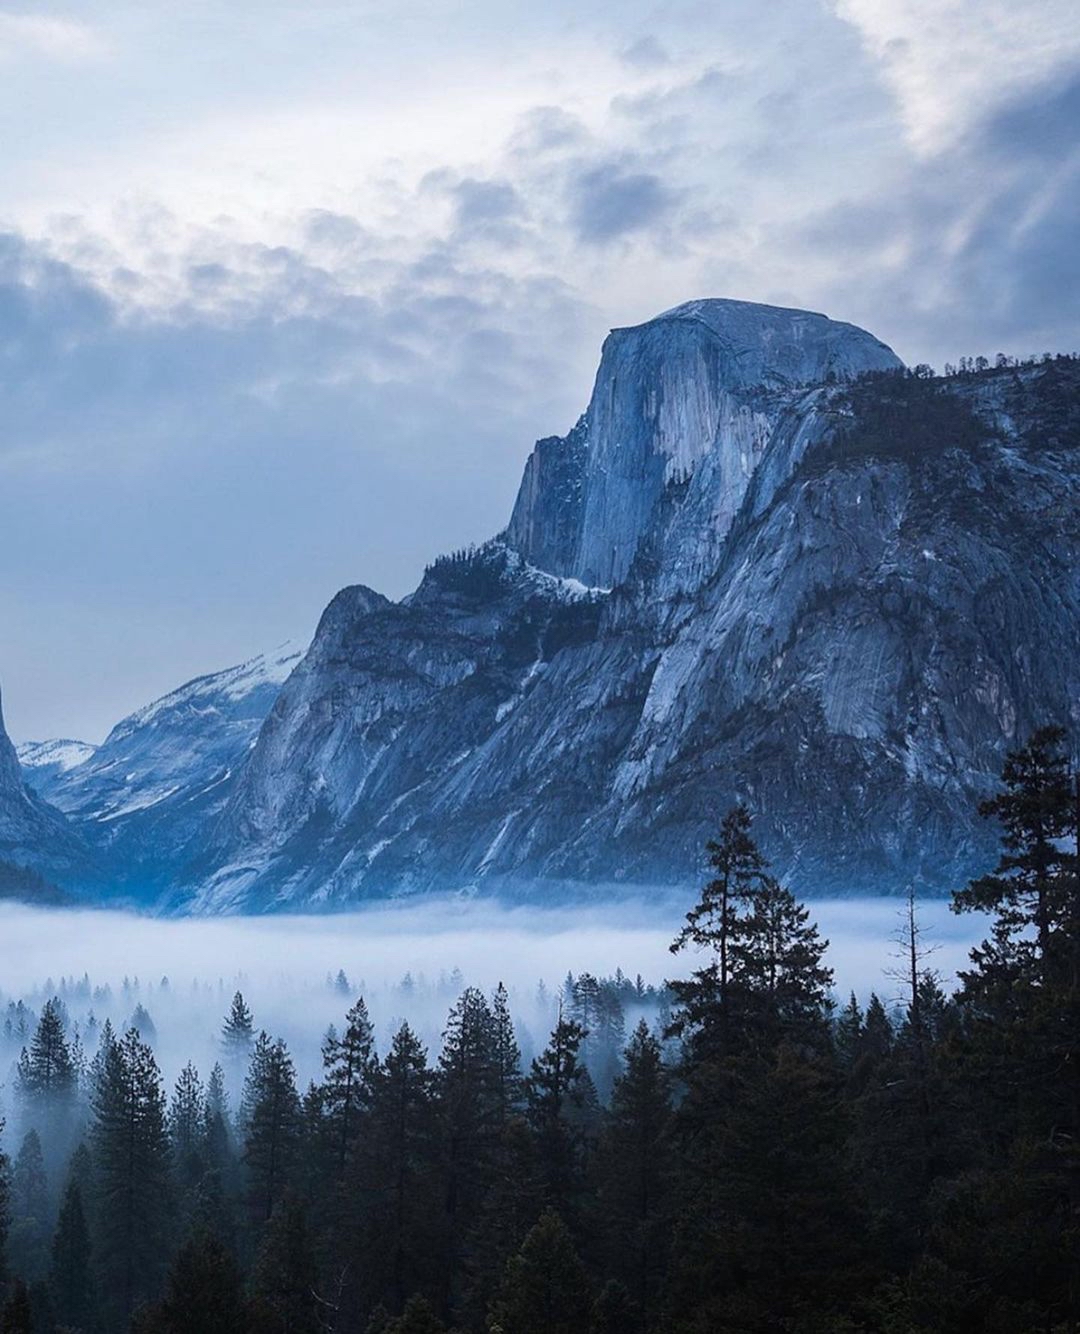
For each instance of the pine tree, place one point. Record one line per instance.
(187, 1121)
(469, 1097)
(1033, 885)
(636, 1170)
(17, 1317)
(5, 1210)
(132, 1169)
(507, 1056)
(217, 1143)
(47, 1079)
(847, 1034)
(237, 1035)
(396, 1176)
(545, 1288)
(203, 1292)
(29, 1209)
(609, 1029)
(777, 960)
(141, 1022)
(349, 1065)
(714, 925)
(418, 1317)
(508, 1210)
(70, 1274)
(561, 1109)
(271, 1119)
(286, 1282)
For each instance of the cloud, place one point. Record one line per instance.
(286, 313)
(949, 62)
(181, 483)
(975, 252)
(608, 201)
(482, 202)
(646, 53)
(63, 40)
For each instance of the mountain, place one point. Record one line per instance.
(35, 839)
(44, 761)
(143, 795)
(766, 564)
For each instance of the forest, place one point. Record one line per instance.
(737, 1152)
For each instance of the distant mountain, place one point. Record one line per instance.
(43, 761)
(140, 797)
(766, 564)
(35, 839)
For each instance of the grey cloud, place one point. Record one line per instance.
(986, 236)
(608, 201)
(646, 53)
(202, 483)
(480, 202)
(546, 130)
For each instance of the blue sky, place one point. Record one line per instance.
(287, 291)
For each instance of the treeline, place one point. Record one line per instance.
(759, 1161)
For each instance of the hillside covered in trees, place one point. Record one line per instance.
(751, 1156)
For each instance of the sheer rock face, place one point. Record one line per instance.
(839, 602)
(696, 392)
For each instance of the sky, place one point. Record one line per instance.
(287, 291)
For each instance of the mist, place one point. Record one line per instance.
(410, 962)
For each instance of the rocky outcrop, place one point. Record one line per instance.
(691, 397)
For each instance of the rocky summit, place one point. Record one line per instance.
(767, 564)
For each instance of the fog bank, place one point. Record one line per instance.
(409, 961)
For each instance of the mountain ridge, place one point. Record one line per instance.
(836, 598)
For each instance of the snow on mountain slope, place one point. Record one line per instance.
(42, 761)
(161, 772)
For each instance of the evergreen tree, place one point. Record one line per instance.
(1033, 885)
(545, 1288)
(70, 1274)
(614, 1311)
(141, 1022)
(187, 1124)
(237, 1036)
(5, 1210)
(561, 1109)
(271, 1119)
(395, 1172)
(714, 925)
(636, 1171)
(217, 1144)
(598, 1003)
(777, 960)
(510, 1207)
(29, 1209)
(47, 1079)
(203, 1292)
(132, 1167)
(286, 1282)
(848, 1034)
(418, 1317)
(349, 1065)
(17, 1317)
(507, 1057)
